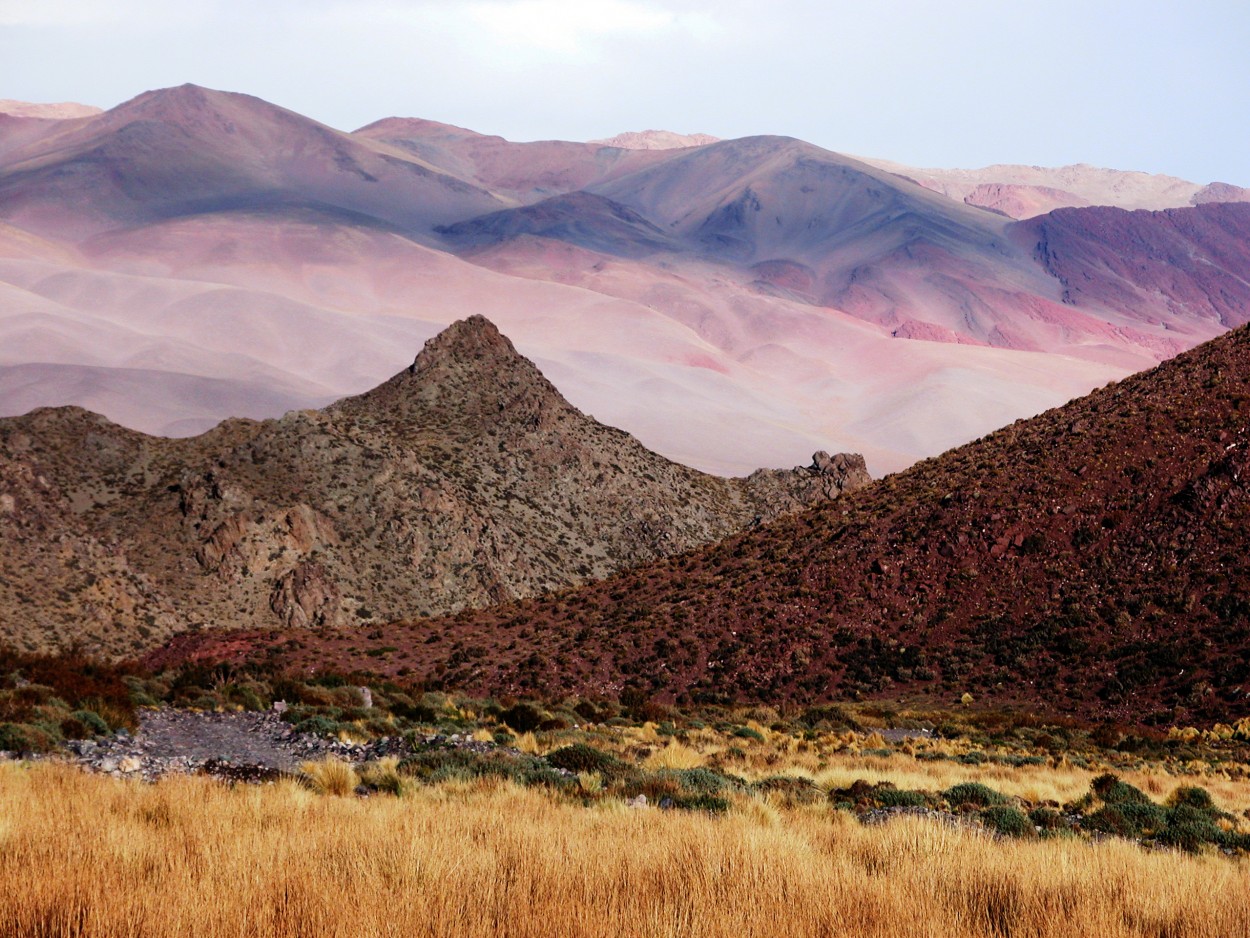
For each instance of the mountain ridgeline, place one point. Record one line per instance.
(464, 480)
(192, 255)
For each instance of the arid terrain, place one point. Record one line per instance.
(1091, 560)
(897, 587)
(465, 480)
(192, 255)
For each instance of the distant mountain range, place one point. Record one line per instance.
(464, 480)
(192, 255)
(1093, 559)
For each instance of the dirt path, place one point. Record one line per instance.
(252, 747)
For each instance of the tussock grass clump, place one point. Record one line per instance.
(330, 777)
(675, 755)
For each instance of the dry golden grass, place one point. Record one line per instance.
(83, 855)
(330, 776)
(675, 755)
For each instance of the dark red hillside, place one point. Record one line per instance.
(1093, 559)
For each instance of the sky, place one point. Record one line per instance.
(1130, 84)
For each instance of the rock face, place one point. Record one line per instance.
(464, 480)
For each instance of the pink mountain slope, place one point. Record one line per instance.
(656, 140)
(189, 150)
(1048, 188)
(525, 171)
(192, 255)
(62, 110)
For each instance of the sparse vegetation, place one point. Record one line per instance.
(483, 856)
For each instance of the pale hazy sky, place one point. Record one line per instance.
(1131, 84)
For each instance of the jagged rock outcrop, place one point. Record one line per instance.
(782, 492)
(463, 481)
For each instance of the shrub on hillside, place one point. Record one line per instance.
(1110, 789)
(1006, 820)
(1193, 796)
(582, 758)
(900, 798)
(973, 793)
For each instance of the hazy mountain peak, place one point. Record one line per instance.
(656, 140)
(60, 110)
(420, 127)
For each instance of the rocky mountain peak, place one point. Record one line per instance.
(466, 379)
(475, 339)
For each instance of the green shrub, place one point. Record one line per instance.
(1193, 796)
(92, 721)
(1008, 821)
(582, 758)
(829, 718)
(1145, 819)
(439, 764)
(1048, 819)
(703, 781)
(713, 804)
(1189, 828)
(974, 793)
(26, 737)
(1110, 789)
(745, 732)
(1109, 819)
(900, 798)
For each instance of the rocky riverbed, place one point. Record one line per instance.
(244, 746)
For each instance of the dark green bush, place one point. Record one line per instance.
(745, 732)
(1193, 796)
(1146, 819)
(436, 764)
(973, 793)
(1008, 821)
(829, 718)
(1110, 789)
(703, 781)
(582, 758)
(1189, 828)
(713, 804)
(900, 798)
(25, 737)
(1048, 819)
